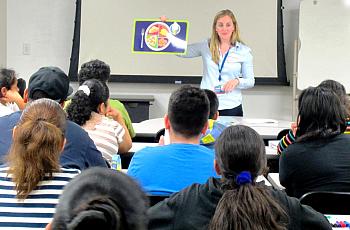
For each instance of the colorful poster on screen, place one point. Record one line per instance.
(154, 36)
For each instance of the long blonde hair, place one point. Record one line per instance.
(37, 143)
(215, 40)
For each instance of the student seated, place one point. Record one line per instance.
(169, 168)
(21, 85)
(89, 109)
(51, 82)
(215, 128)
(339, 90)
(10, 99)
(101, 198)
(235, 201)
(319, 160)
(32, 180)
(99, 70)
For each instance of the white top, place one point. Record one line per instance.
(106, 133)
(268, 129)
(8, 108)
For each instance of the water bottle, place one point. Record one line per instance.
(116, 162)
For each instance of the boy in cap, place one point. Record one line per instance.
(51, 82)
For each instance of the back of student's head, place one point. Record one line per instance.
(49, 82)
(7, 79)
(94, 69)
(88, 98)
(240, 155)
(101, 198)
(22, 85)
(213, 102)
(38, 140)
(339, 90)
(321, 114)
(188, 111)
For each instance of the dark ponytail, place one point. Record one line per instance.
(248, 207)
(87, 100)
(240, 154)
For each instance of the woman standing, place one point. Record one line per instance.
(32, 180)
(227, 63)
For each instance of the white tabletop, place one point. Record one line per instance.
(267, 128)
(275, 180)
(136, 146)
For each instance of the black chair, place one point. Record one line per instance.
(125, 159)
(159, 134)
(154, 199)
(328, 202)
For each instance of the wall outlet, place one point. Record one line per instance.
(26, 49)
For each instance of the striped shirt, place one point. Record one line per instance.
(289, 138)
(37, 210)
(106, 133)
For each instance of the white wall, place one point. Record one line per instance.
(3, 33)
(48, 27)
(39, 33)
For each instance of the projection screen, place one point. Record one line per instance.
(106, 34)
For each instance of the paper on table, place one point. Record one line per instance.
(260, 121)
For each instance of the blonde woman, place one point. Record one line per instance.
(32, 180)
(227, 63)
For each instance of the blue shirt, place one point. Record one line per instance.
(163, 170)
(79, 152)
(213, 132)
(238, 64)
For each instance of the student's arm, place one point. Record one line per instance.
(115, 104)
(126, 144)
(287, 140)
(14, 96)
(287, 167)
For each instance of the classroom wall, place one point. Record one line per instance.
(3, 29)
(26, 25)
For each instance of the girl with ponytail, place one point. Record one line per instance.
(90, 109)
(236, 200)
(33, 180)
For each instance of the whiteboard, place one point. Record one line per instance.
(324, 30)
(106, 33)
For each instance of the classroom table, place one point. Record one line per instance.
(275, 181)
(271, 155)
(267, 128)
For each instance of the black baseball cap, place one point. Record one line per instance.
(52, 81)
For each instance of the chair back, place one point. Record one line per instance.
(159, 134)
(154, 199)
(328, 202)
